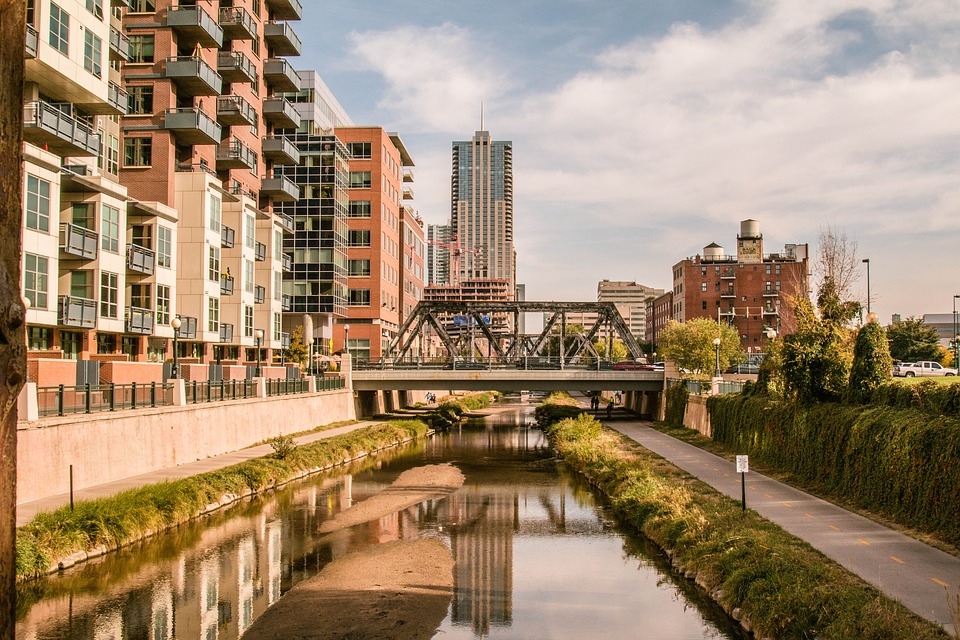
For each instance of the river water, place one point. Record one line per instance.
(537, 556)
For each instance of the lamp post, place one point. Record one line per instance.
(346, 338)
(258, 334)
(716, 345)
(26, 308)
(175, 324)
(866, 261)
(956, 333)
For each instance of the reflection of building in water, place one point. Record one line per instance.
(482, 542)
(161, 610)
(209, 596)
(274, 564)
(246, 559)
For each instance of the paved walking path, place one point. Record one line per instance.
(27, 510)
(918, 575)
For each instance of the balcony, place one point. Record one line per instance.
(771, 311)
(193, 76)
(280, 75)
(192, 126)
(119, 46)
(286, 262)
(771, 293)
(78, 241)
(281, 39)
(117, 98)
(235, 111)
(226, 332)
(120, 3)
(728, 274)
(33, 41)
(259, 294)
(227, 237)
(259, 252)
(233, 154)
(286, 302)
(407, 193)
(141, 259)
(234, 66)
(280, 150)
(285, 220)
(226, 285)
(139, 320)
(728, 294)
(281, 113)
(238, 189)
(194, 26)
(408, 175)
(77, 312)
(285, 9)
(188, 328)
(284, 340)
(280, 188)
(237, 24)
(64, 135)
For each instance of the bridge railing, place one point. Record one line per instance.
(479, 363)
(705, 387)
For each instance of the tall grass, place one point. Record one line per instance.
(137, 513)
(781, 586)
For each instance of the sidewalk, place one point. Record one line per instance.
(918, 575)
(27, 510)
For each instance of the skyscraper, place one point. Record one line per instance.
(481, 214)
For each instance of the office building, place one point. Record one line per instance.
(630, 299)
(439, 243)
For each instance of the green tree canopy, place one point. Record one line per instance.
(297, 351)
(691, 346)
(911, 340)
(871, 362)
(617, 352)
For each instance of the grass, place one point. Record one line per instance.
(138, 513)
(783, 587)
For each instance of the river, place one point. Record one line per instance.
(537, 556)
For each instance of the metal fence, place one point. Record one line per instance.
(94, 398)
(330, 383)
(285, 386)
(705, 387)
(215, 391)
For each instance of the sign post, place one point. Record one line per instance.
(743, 467)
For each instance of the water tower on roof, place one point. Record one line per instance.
(750, 242)
(712, 252)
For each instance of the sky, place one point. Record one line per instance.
(644, 130)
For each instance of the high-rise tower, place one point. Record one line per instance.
(481, 214)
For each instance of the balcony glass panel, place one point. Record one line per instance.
(234, 66)
(139, 320)
(33, 40)
(285, 9)
(281, 39)
(77, 312)
(119, 46)
(259, 294)
(192, 126)
(46, 124)
(78, 241)
(194, 26)
(237, 24)
(141, 259)
(226, 285)
(280, 112)
(194, 77)
(226, 332)
(260, 252)
(227, 237)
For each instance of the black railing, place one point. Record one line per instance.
(282, 386)
(330, 383)
(95, 398)
(198, 392)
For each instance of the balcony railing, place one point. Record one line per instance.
(234, 66)
(117, 98)
(284, 340)
(728, 294)
(285, 9)
(237, 24)
(280, 188)
(194, 77)
(194, 26)
(286, 262)
(234, 110)
(226, 285)
(281, 75)
(285, 220)
(281, 39)
(259, 252)
(78, 241)
(188, 328)
(259, 294)
(119, 46)
(45, 124)
(280, 112)
(234, 154)
(141, 259)
(727, 274)
(280, 150)
(139, 320)
(33, 41)
(771, 293)
(286, 302)
(77, 312)
(226, 332)
(227, 237)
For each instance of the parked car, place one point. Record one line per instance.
(632, 365)
(923, 368)
(899, 370)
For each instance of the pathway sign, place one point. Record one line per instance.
(743, 467)
(743, 464)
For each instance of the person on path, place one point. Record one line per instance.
(610, 409)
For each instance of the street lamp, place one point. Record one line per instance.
(175, 324)
(258, 334)
(716, 345)
(956, 333)
(346, 338)
(866, 261)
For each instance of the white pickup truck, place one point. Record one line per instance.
(924, 368)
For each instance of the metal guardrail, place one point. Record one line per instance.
(198, 392)
(282, 387)
(705, 387)
(330, 383)
(95, 398)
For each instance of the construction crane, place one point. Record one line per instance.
(455, 253)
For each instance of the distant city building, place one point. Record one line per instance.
(659, 313)
(631, 301)
(476, 290)
(944, 323)
(481, 215)
(749, 290)
(439, 239)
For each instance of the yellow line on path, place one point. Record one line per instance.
(862, 541)
(768, 495)
(787, 504)
(835, 527)
(897, 560)
(807, 515)
(941, 583)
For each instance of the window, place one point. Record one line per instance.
(140, 296)
(214, 213)
(359, 298)
(358, 268)
(359, 180)
(359, 209)
(359, 150)
(108, 294)
(141, 48)
(110, 229)
(247, 322)
(213, 266)
(35, 280)
(137, 152)
(213, 314)
(248, 276)
(358, 238)
(164, 246)
(277, 326)
(96, 8)
(277, 284)
(59, 29)
(277, 243)
(38, 203)
(163, 304)
(249, 231)
(92, 53)
(703, 286)
(113, 155)
(143, 6)
(140, 100)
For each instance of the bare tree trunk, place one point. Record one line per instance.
(12, 344)
(837, 259)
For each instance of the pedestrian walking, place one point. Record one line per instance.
(610, 408)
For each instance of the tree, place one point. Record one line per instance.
(618, 351)
(837, 262)
(297, 351)
(871, 362)
(691, 346)
(911, 340)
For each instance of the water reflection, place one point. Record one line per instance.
(535, 557)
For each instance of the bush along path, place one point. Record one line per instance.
(61, 538)
(776, 585)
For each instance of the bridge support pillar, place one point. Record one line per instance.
(368, 404)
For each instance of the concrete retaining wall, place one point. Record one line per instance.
(696, 415)
(111, 446)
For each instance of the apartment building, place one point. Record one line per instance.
(151, 138)
(630, 299)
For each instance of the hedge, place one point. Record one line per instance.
(676, 399)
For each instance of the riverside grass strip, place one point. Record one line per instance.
(900, 463)
(776, 585)
(97, 526)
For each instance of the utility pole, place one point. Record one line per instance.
(13, 357)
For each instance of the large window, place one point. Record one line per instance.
(143, 6)
(359, 180)
(141, 48)
(247, 322)
(214, 213)
(359, 298)
(213, 314)
(108, 294)
(38, 203)
(249, 231)
(140, 100)
(96, 8)
(110, 229)
(140, 296)
(359, 209)
(59, 29)
(358, 267)
(113, 155)
(164, 246)
(359, 150)
(248, 276)
(92, 53)
(163, 305)
(358, 238)
(213, 265)
(35, 280)
(137, 152)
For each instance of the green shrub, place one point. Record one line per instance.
(871, 362)
(283, 447)
(676, 399)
